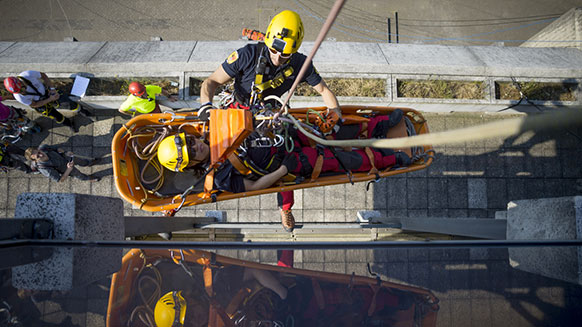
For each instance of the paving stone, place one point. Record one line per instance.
(457, 193)
(95, 314)
(103, 131)
(334, 196)
(571, 163)
(249, 215)
(249, 203)
(456, 162)
(15, 187)
(313, 198)
(376, 199)
(439, 165)
(515, 189)
(313, 256)
(481, 313)
(336, 256)
(459, 306)
(458, 213)
(268, 256)
(477, 213)
(269, 216)
(477, 193)
(228, 204)
(419, 273)
(480, 283)
(334, 267)
(356, 196)
(356, 255)
(496, 193)
(396, 193)
(495, 165)
(514, 164)
(552, 164)
(390, 255)
(334, 215)
(439, 279)
(533, 188)
(418, 213)
(417, 193)
(310, 215)
(438, 212)
(268, 201)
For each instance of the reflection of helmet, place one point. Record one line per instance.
(137, 89)
(12, 84)
(285, 32)
(166, 308)
(173, 152)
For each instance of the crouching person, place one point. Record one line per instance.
(57, 164)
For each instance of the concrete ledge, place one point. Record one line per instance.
(76, 217)
(546, 219)
(185, 59)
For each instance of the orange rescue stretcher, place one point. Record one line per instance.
(227, 129)
(338, 299)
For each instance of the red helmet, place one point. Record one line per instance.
(137, 89)
(12, 84)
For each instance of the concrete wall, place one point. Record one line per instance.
(566, 28)
(186, 59)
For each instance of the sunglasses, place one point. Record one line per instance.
(282, 55)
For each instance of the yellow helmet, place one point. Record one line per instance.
(285, 32)
(173, 152)
(166, 308)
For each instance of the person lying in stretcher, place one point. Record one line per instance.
(269, 164)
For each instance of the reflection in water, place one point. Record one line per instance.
(199, 288)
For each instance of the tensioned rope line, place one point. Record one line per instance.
(322, 33)
(503, 128)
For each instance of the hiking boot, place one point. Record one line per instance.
(287, 220)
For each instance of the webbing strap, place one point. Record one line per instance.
(237, 163)
(207, 274)
(318, 294)
(317, 168)
(372, 308)
(370, 155)
(209, 182)
(275, 82)
(236, 301)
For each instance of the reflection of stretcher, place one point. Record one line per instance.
(314, 298)
(227, 129)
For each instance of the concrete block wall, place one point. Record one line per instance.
(566, 28)
(186, 59)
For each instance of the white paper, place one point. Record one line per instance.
(80, 86)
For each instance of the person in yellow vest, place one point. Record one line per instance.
(142, 99)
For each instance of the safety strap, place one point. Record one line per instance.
(275, 82)
(318, 294)
(372, 307)
(370, 155)
(207, 274)
(237, 300)
(317, 168)
(209, 182)
(29, 83)
(237, 163)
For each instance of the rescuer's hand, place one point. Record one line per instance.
(204, 111)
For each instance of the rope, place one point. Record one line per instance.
(504, 128)
(324, 29)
